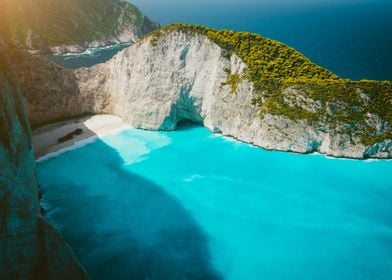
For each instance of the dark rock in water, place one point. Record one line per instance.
(42, 211)
(40, 195)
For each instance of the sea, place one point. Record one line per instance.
(191, 205)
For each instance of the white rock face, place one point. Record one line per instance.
(154, 86)
(181, 79)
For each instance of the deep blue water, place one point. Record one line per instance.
(192, 205)
(88, 58)
(351, 38)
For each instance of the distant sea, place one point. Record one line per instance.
(88, 58)
(353, 40)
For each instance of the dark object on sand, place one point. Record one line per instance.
(71, 135)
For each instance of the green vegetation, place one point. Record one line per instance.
(345, 105)
(233, 80)
(274, 67)
(68, 22)
(154, 41)
(268, 61)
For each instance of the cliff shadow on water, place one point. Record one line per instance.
(122, 225)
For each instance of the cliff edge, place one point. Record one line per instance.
(30, 248)
(60, 27)
(243, 85)
(238, 84)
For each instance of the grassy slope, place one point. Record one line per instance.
(273, 67)
(70, 21)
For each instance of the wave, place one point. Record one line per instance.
(193, 178)
(93, 51)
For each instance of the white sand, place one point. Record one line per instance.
(45, 139)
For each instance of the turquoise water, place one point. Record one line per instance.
(193, 205)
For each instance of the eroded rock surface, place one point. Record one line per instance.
(30, 248)
(154, 85)
(48, 26)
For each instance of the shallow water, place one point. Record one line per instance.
(192, 205)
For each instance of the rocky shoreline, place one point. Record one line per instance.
(78, 49)
(31, 248)
(102, 24)
(183, 77)
(154, 84)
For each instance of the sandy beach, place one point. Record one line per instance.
(45, 139)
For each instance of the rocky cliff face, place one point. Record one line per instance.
(155, 84)
(181, 75)
(185, 76)
(59, 27)
(30, 248)
(51, 93)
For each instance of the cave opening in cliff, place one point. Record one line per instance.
(186, 124)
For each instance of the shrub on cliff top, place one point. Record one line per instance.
(273, 67)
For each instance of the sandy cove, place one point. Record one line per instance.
(46, 138)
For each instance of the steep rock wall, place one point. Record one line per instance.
(51, 93)
(49, 26)
(155, 84)
(30, 248)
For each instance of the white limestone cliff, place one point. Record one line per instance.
(154, 85)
